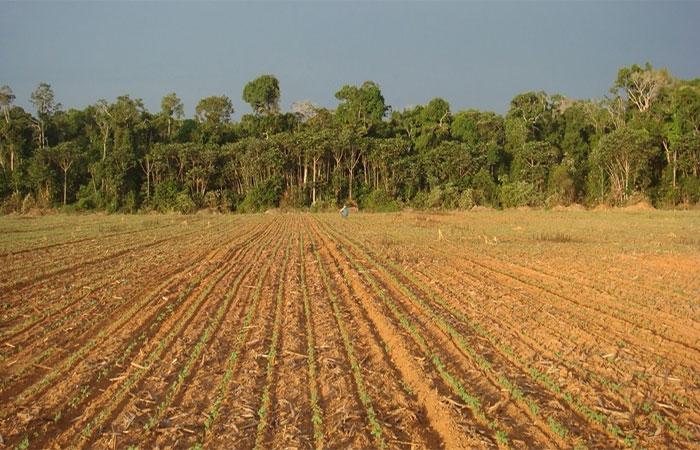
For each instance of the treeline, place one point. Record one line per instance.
(641, 142)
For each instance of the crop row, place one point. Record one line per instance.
(426, 348)
(141, 336)
(576, 403)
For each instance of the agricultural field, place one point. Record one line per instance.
(513, 329)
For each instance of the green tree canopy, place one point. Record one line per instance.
(171, 107)
(361, 108)
(7, 97)
(263, 94)
(214, 110)
(624, 154)
(641, 85)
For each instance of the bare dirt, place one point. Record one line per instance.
(515, 329)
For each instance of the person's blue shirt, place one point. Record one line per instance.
(344, 212)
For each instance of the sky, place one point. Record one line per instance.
(472, 54)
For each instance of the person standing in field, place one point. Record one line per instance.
(344, 211)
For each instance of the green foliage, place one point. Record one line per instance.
(214, 110)
(24, 444)
(465, 127)
(230, 200)
(625, 154)
(450, 163)
(560, 187)
(91, 199)
(12, 204)
(167, 198)
(263, 94)
(184, 203)
(131, 203)
(212, 200)
(467, 199)
(164, 198)
(439, 197)
(532, 162)
(485, 189)
(519, 193)
(690, 190)
(378, 201)
(361, 108)
(547, 150)
(558, 428)
(293, 198)
(321, 206)
(263, 197)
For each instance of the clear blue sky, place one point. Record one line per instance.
(474, 55)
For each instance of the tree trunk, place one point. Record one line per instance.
(675, 168)
(602, 185)
(65, 182)
(94, 184)
(672, 161)
(627, 179)
(300, 177)
(364, 168)
(351, 168)
(313, 187)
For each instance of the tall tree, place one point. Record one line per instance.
(171, 106)
(533, 161)
(263, 94)
(100, 114)
(641, 85)
(434, 124)
(624, 155)
(214, 110)
(682, 131)
(16, 139)
(126, 112)
(43, 99)
(354, 148)
(407, 121)
(7, 98)
(529, 113)
(127, 117)
(437, 112)
(64, 156)
(361, 108)
(304, 110)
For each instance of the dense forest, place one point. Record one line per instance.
(640, 142)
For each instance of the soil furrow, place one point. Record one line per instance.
(291, 414)
(358, 277)
(139, 335)
(234, 419)
(497, 365)
(157, 339)
(172, 375)
(70, 342)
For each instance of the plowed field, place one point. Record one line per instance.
(464, 331)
